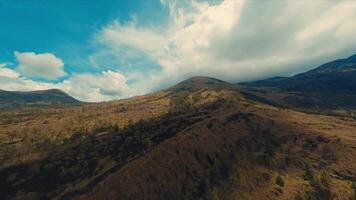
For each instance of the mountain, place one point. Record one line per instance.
(330, 86)
(201, 139)
(53, 97)
(199, 82)
(338, 76)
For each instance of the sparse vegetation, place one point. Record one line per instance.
(191, 143)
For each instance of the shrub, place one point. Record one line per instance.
(323, 185)
(298, 197)
(279, 190)
(269, 154)
(354, 187)
(310, 174)
(280, 181)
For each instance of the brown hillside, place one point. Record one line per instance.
(201, 139)
(231, 144)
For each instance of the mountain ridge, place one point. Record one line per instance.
(38, 98)
(337, 76)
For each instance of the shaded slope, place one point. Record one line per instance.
(200, 161)
(180, 167)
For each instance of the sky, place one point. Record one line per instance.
(104, 50)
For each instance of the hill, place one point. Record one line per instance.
(53, 97)
(201, 139)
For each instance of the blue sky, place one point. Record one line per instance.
(66, 28)
(103, 50)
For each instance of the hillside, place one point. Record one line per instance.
(201, 139)
(333, 77)
(327, 89)
(15, 100)
(238, 154)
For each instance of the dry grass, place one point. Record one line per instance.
(225, 123)
(164, 164)
(25, 133)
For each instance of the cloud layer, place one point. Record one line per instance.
(231, 40)
(242, 40)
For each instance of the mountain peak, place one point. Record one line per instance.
(199, 82)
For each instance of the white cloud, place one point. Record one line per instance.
(23, 84)
(6, 72)
(104, 86)
(46, 65)
(97, 87)
(241, 40)
(144, 39)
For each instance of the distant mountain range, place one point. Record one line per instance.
(41, 98)
(322, 87)
(329, 86)
(338, 76)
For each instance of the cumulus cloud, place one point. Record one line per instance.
(241, 40)
(46, 65)
(88, 87)
(97, 87)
